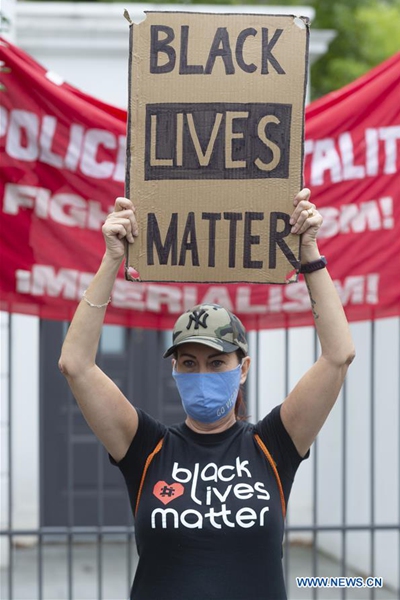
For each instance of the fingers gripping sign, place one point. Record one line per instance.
(305, 219)
(121, 224)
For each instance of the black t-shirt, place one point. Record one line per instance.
(209, 524)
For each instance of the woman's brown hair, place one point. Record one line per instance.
(240, 405)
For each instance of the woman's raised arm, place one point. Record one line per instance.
(307, 406)
(108, 413)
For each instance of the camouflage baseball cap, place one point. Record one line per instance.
(211, 325)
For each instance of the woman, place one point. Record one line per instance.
(209, 495)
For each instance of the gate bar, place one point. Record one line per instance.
(344, 482)
(372, 451)
(10, 478)
(118, 530)
(287, 520)
(70, 504)
(315, 490)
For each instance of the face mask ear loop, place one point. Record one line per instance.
(241, 368)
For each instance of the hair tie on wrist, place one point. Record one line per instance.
(95, 305)
(315, 265)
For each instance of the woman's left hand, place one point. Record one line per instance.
(305, 219)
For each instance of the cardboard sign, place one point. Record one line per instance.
(215, 145)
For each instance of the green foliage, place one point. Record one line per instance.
(367, 32)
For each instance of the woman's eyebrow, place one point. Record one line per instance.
(209, 356)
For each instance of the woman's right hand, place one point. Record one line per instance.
(119, 225)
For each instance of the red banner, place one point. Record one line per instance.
(62, 165)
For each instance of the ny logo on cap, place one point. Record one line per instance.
(198, 317)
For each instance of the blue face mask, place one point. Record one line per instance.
(207, 397)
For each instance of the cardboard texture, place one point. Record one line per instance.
(215, 145)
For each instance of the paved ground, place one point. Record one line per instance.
(115, 580)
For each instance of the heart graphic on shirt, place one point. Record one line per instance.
(166, 492)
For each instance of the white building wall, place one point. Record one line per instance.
(87, 44)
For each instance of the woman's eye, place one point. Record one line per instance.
(188, 364)
(217, 363)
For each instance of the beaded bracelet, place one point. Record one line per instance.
(95, 305)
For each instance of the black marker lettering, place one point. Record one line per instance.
(250, 240)
(184, 68)
(243, 35)
(276, 239)
(190, 232)
(221, 37)
(212, 218)
(154, 239)
(208, 140)
(233, 218)
(267, 55)
(158, 46)
(230, 135)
